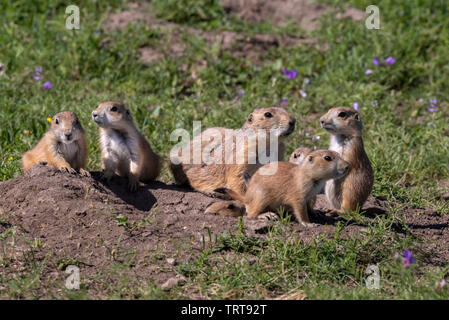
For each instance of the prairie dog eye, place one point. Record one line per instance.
(114, 109)
(56, 121)
(327, 158)
(231, 207)
(295, 156)
(268, 115)
(342, 115)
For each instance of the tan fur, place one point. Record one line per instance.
(206, 177)
(292, 185)
(298, 157)
(345, 127)
(124, 151)
(226, 208)
(63, 146)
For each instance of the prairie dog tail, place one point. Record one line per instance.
(234, 195)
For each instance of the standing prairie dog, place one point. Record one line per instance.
(292, 185)
(124, 151)
(207, 177)
(351, 191)
(63, 146)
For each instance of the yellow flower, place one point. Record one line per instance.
(49, 120)
(10, 159)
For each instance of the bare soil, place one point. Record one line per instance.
(85, 221)
(303, 12)
(238, 45)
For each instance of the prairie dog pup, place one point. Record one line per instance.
(226, 208)
(299, 155)
(63, 146)
(345, 127)
(124, 151)
(292, 185)
(207, 177)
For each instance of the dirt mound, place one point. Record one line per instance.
(71, 219)
(279, 12)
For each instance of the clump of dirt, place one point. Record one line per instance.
(279, 12)
(85, 221)
(237, 44)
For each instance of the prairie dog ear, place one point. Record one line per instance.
(310, 159)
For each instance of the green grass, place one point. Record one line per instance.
(408, 145)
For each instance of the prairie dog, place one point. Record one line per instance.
(124, 151)
(345, 127)
(207, 177)
(299, 155)
(226, 208)
(292, 185)
(63, 146)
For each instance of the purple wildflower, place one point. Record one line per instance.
(355, 105)
(376, 61)
(241, 92)
(292, 74)
(303, 93)
(38, 73)
(408, 258)
(283, 102)
(442, 284)
(433, 105)
(306, 82)
(368, 72)
(390, 61)
(47, 85)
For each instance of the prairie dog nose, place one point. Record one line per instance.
(292, 121)
(68, 135)
(94, 114)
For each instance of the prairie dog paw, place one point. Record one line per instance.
(133, 184)
(270, 216)
(67, 169)
(84, 173)
(309, 224)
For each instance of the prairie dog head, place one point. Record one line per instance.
(342, 121)
(226, 208)
(324, 165)
(299, 155)
(66, 127)
(274, 118)
(111, 114)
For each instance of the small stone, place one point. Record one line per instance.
(171, 261)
